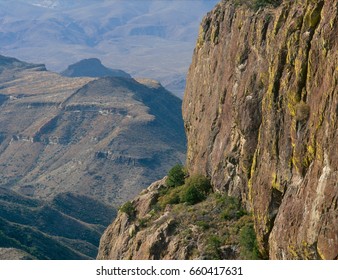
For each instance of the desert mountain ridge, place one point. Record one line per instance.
(72, 142)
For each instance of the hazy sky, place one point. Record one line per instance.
(146, 38)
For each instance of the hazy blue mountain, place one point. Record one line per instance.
(92, 67)
(7, 63)
(152, 39)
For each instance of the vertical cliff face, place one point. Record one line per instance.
(260, 112)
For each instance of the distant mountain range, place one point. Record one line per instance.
(10, 63)
(153, 39)
(72, 150)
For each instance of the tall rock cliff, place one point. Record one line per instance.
(260, 111)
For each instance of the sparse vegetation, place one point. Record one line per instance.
(196, 189)
(213, 248)
(176, 176)
(129, 209)
(143, 222)
(171, 196)
(248, 242)
(183, 189)
(232, 208)
(203, 224)
(209, 225)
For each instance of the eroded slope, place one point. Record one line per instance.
(79, 146)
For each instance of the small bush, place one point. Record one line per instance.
(232, 208)
(171, 196)
(128, 208)
(176, 176)
(248, 242)
(202, 224)
(213, 248)
(192, 196)
(196, 190)
(143, 222)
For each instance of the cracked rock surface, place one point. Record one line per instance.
(260, 112)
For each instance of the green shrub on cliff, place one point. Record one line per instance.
(176, 176)
(213, 248)
(128, 208)
(197, 188)
(248, 243)
(180, 190)
(171, 196)
(232, 208)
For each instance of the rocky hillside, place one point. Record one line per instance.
(14, 254)
(67, 227)
(166, 222)
(86, 135)
(260, 111)
(75, 142)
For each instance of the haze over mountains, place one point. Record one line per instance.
(72, 148)
(92, 67)
(145, 38)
